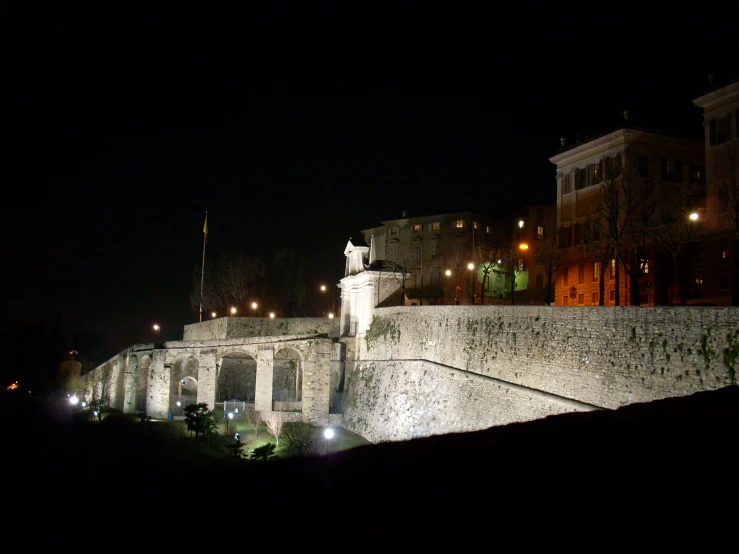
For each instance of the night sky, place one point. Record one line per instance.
(294, 131)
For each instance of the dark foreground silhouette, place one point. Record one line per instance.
(659, 473)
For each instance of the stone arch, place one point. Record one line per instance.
(237, 377)
(287, 375)
(183, 374)
(142, 382)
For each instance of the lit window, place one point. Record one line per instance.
(596, 271)
(417, 228)
(435, 226)
(613, 269)
(474, 224)
(644, 267)
(488, 229)
(459, 224)
(540, 232)
(394, 230)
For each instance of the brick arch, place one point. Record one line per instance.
(183, 372)
(287, 373)
(236, 374)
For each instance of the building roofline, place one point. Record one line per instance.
(717, 95)
(624, 132)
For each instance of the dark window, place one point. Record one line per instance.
(612, 295)
(720, 130)
(698, 174)
(565, 237)
(539, 281)
(596, 172)
(642, 165)
(612, 167)
(565, 275)
(565, 300)
(566, 184)
(671, 171)
(580, 179)
(723, 280)
(581, 274)
(581, 299)
(579, 233)
(595, 299)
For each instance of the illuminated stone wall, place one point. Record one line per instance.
(245, 327)
(437, 369)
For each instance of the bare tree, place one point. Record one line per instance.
(401, 262)
(227, 279)
(485, 257)
(253, 419)
(513, 264)
(678, 225)
(599, 244)
(275, 422)
(728, 190)
(547, 255)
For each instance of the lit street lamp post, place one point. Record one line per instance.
(328, 434)
(157, 329)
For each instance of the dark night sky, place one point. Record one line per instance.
(294, 131)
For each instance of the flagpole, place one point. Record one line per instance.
(202, 270)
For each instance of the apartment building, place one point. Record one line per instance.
(720, 253)
(434, 251)
(627, 162)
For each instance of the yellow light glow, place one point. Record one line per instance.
(254, 305)
(330, 316)
(523, 246)
(520, 224)
(233, 311)
(271, 315)
(156, 327)
(12, 386)
(694, 216)
(470, 266)
(448, 272)
(212, 314)
(323, 287)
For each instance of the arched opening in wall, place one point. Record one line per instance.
(237, 378)
(183, 384)
(287, 381)
(142, 382)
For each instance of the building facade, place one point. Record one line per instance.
(613, 192)
(720, 253)
(431, 255)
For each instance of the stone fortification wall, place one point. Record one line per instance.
(244, 327)
(604, 357)
(398, 400)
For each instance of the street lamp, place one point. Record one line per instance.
(328, 434)
(471, 267)
(330, 316)
(271, 315)
(254, 307)
(229, 417)
(448, 272)
(694, 216)
(157, 329)
(233, 311)
(212, 314)
(324, 289)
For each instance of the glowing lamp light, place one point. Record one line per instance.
(500, 262)
(330, 316)
(212, 314)
(520, 223)
(694, 216)
(323, 288)
(523, 246)
(73, 400)
(230, 415)
(328, 433)
(233, 311)
(156, 327)
(448, 272)
(179, 403)
(470, 266)
(254, 305)
(271, 315)
(83, 404)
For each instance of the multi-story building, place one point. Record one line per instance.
(431, 255)
(720, 277)
(632, 162)
(534, 236)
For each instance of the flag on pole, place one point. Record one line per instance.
(205, 228)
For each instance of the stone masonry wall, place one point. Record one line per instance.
(398, 400)
(607, 357)
(243, 327)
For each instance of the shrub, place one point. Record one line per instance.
(263, 453)
(298, 439)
